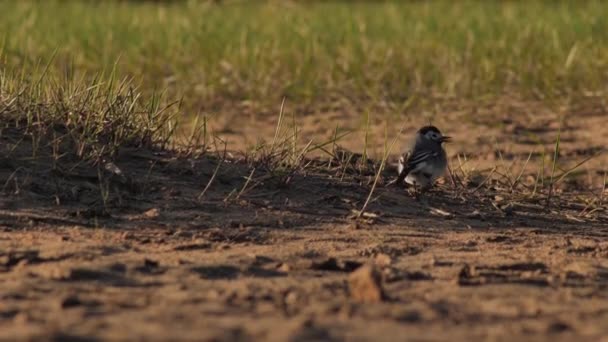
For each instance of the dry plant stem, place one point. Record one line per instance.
(378, 173)
(279, 124)
(350, 157)
(217, 168)
(521, 172)
(485, 180)
(321, 146)
(246, 183)
(461, 164)
(572, 169)
(603, 189)
(366, 142)
(589, 205)
(452, 179)
(149, 174)
(11, 177)
(555, 157)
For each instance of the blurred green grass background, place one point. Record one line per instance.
(213, 55)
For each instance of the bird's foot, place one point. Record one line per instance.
(414, 192)
(418, 191)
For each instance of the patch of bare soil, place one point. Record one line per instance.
(486, 134)
(283, 258)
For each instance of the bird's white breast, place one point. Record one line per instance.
(418, 176)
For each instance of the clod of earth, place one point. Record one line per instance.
(365, 285)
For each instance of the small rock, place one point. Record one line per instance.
(507, 209)
(283, 267)
(149, 266)
(112, 168)
(291, 298)
(558, 327)
(469, 276)
(152, 213)
(174, 192)
(474, 214)
(150, 263)
(213, 295)
(127, 236)
(222, 247)
(382, 260)
(365, 285)
(333, 264)
(554, 125)
(183, 234)
(468, 271)
(441, 212)
(118, 267)
(22, 318)
(70, 301)
(354, 225)
(260, 259)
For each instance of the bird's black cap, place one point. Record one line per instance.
(426, 129)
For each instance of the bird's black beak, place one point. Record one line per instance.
(446, 139)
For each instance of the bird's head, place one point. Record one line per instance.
(432, 133)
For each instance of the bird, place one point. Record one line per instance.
(425, 159)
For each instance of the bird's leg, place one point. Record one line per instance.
(426, 188)
(400, 179)
(423, 190)
(419, 192)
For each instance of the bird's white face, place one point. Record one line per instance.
(435, 136)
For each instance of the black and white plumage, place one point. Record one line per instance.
(425, 159)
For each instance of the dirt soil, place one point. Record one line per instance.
(282, 260)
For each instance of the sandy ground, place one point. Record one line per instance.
(275, 263)
(283, 276)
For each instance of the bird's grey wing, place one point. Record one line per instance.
(420, 157)
(410, 160)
